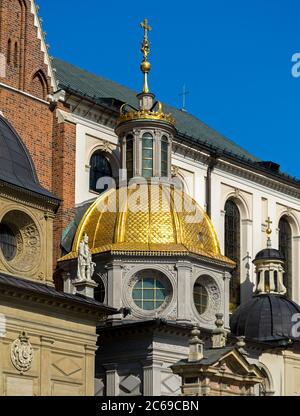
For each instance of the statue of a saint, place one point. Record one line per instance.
(86, 267)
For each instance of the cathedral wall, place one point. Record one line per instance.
(89, 139)
(61, 361)
(27, 85)
(257, 197)
(32, 225)
(33, 121)
(22, 44)
(291, 374)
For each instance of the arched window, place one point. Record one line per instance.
(100, 168)
(200, 297)
(8, 242)
(147, 156)
(164, 156)
(16, 50)
(285, 247)
(233, 248)
(129, 156)
(9, 52)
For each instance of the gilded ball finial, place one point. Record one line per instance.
(269, 232)
(269, 222)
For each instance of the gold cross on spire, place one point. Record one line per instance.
(146, 28)
(269, 222)
(145, 66)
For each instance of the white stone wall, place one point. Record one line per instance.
(256, 201)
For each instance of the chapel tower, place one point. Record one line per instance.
(146, 133)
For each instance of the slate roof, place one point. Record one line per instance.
(269, 254)
(50, 292)
(16, 165)
(103, 91)
(265, 318)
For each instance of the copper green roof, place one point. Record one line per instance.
(103, 91)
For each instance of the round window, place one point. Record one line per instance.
(149, 293)
(200, 297)
(8, 242)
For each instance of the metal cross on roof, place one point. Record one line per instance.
(183, 95)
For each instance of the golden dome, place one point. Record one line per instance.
(164, 229)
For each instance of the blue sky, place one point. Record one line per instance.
(233, 55)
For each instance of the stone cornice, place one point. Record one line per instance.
(14, 193)
(40, 301)
(261, 179)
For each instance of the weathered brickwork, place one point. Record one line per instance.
(51, 144)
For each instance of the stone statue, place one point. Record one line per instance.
(86, 267)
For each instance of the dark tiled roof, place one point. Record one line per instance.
(269, 254)
(16, 165)
(265, 318)
(104, 91)
(50, 292)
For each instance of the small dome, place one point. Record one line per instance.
(269, 254)
(16, 166)
(155, 227)
(266, 317)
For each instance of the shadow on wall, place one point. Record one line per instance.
(247, 286)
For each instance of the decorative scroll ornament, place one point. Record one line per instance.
(21, 353)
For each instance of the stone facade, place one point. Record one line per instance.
(61, 348)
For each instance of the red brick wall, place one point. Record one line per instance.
(25, 68)
(63, 179)
(51, 145)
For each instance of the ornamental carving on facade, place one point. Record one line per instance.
(21, 353)
(214, 299)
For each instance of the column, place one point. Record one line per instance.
(112, 379)
(222, 235)
(114, 287)
(257, 226)
(49, 217)
(157, 153)
(184, 291)
(137, 153)
(45, 365)
(68, 286)
(226, 279)
(296, 269)
(152, 378)
(90, 369)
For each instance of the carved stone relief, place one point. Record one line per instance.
(21, 353)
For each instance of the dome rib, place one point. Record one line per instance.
(266, 317)
(154, 228)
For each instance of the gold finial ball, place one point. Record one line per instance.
(146, 67)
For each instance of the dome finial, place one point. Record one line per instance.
(145, 66)
(269, 232)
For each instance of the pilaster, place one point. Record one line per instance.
(45, 365)
(112, 380)
(152, 378)
(184, 289)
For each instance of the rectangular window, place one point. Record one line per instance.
(164, 156)
(147, 156)
(129, 157)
